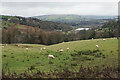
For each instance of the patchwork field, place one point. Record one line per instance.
(82, 54)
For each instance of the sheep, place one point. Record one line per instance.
(97, 46)
(63, 42)
(61, 50)
(104, 39)
(9, 19)
(92, 38)
(44, 48)
(18, 45)
(26, 49)
(68, 49)
(50, 56)
(41, 48)
(3, 46)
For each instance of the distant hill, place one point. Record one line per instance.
(9, 21)
(77, 20)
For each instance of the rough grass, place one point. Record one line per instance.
(16, 59)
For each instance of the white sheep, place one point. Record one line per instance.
(104, 39)
(97, 46)
(92, 38)
(44, 48)
(41, 48)
(61, 50)
(3, 46)
(68, 48)
(26, 49)
(50, 56)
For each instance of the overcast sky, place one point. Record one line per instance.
(60, 0)
(46, 8)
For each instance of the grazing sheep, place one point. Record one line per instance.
(41, 48)
(92, 38)
(26, 49)
(97, 46)
(104, 39)
(61, 50)
(68, 49)
(44, 48)
(50, 56)
(63, 42)
(3, 46)
(9, 19)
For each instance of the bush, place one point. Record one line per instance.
(97, 55)
(32, 67)
(12, 56)
(50, 62)
(4, 56)
(74, 64)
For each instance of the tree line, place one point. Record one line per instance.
(44, 32)
(39, 36)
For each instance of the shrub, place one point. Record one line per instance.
(12, 56)
(32, 67)
(11, 53)
(50, 62)
(4, 56)
(74, 64)
(97, 55)
(74, 58)
(84, 58)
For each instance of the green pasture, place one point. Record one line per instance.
(15, 58)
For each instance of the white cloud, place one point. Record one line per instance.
(46, 8)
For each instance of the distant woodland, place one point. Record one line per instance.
(30, 30)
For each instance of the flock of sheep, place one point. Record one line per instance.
(61, 50)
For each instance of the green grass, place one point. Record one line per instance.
(17, 59)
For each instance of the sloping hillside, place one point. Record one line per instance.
(83, 59)
(46, 25)
(77, 20)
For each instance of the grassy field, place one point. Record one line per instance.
(16, 59)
